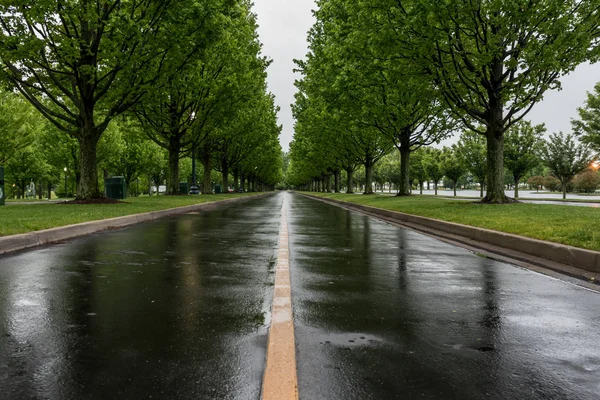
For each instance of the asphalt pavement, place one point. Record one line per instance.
(180, 308)
(382, 312)
(174, 309)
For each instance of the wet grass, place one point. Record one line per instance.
(23, 218)
(575, 226)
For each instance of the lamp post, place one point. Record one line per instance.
(66, 190)
(194, 188)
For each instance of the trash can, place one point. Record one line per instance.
(184, 188)
(2, 192)
(115, 188)
(218, 189)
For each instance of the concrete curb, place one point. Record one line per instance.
(573, 261)
(13, 243)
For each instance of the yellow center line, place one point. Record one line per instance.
(280, 381)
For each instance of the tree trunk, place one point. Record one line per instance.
(350, 183)
(517, 178)
(368, 176)
(336, 183)
(89, 176)
(173, 180)
(494, 134)
(404, 171)
(564, 190)
(206, 181)
(455, 189)
(428, 188)
(481, 184)
(243, 182)
(435, 187)
(421, 187)
(236, 183)
(225, 173)
(495, 169)
(328, 188)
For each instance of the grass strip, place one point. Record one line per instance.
(574, 226)
(23, 218)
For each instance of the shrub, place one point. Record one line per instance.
(587, 181)
(552, 184)
(536, 181)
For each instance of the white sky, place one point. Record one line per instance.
(283, 25)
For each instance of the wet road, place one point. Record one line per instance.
(173, 309)
(180, 308)
(382, 312)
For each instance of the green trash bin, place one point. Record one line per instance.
(2, 192)
(184, 188)
(218, 189)
(115, 188)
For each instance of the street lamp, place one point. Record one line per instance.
(66, 190)
(194, 188)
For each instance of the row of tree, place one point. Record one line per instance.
(183, 77)
(560, 157)
(407, 74)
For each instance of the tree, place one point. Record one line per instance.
(493, 60)
(418, 170)
(434, 167)
(472, 150)
(587, 127)
(327, 100)
(565, 158)
(536, 181)
(18, 125)
(156, 167)
(133, 152)
(184, 114)
(452, 165)
(552, 184)
(373, 84)
(521, 151)
(587, 181)
(255, 124)
(81, 64)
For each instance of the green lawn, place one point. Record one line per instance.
(575, 226)
(22, 218)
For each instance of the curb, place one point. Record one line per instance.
(569, 260)
(9, 244)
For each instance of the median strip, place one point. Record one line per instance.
(280, 381)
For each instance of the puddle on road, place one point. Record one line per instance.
(350, 339)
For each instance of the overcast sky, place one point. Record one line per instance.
(283, 25)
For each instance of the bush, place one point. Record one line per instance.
(536, 182)
(552, 184)
(587, 181)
